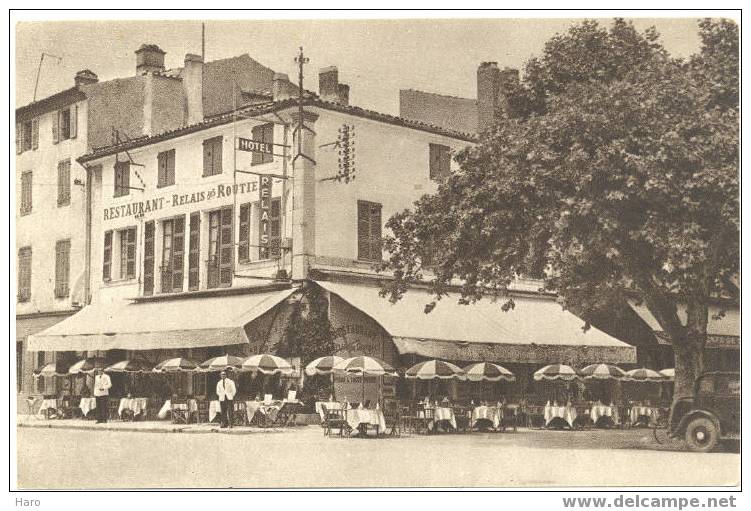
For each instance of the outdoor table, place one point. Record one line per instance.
(491, 413)
(598, 411)
(330, 405)
(442, 413)
(136, 405)
(47, 406)
(268, 410)
(567, 413)
(215, 408)
(363, 417)
(191, 406)
(644, 411)
(86, 405)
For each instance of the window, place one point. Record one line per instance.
(220, 248)
(24, 274)
(62, 268)
(368, 231)
(194, 251)
(27, 136)
(166, 164)
(66, 125)
(212, 156)
(440, 161)
(148, 258)
(26, 181)
(173, 249)
(127, 253)
(243, 242)
(63, 183)
(263, 133)
(107, 257)
(122, 178)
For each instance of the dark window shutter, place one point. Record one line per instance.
(24, 274)
(148, 258)
(375, 232)
(63, 183)
(122, 178)
(257, 134)
(62, 268)
(161, 160)
(73, 121)
(194, 251)
(243, 243)
(178, 255)
(217, 153)
(208, 159)
(26, 197)
(35, 134)
(107, 259)
(268, 137)
(130, 268)
(56, 128)
(166, 168)
(171, 167)
(226, 247)
(19, 138)
(363, 230)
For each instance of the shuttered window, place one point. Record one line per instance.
(220, 248)
(243, 244)
(263, 133)
(66, 124)
(107, 257)
(212, 156)
(63, 183)
(127, 253)
(194, 252)
(122, 178)
(148, 258)
(173, 254)
(275, 223)
(440, 161)
(62, 268)
(24, 274)
(35, 134)
(166, 165)
(26, 182)
(368, 231)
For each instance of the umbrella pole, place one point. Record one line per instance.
(363, 388)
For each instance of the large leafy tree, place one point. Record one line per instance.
(611, 174)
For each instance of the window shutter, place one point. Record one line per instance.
(207, 159)
(171, 167)
(107, 259)
(178, 254)
(24, 274)
(363, 230)
(194, 251)
(73, 121)
(56, 128)
(19, 138)
(257, 134)
(130, 269)
(217, 153)
(26, 182)
(375, 232)
(63, 183)
(243, 243)
(35, 134)
(275, 226)
(62, 268)
(226, 247)
(161, 179)
(268, 137)
(148, 258)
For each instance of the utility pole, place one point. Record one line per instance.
(301, 60)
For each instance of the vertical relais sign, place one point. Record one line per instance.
(264, 232)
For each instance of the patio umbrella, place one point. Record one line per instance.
(87, 365)
(175, 365)
(556, 372)
(128, 366)
(602, 372)
(221, 363)
(52, 369)
(644, 374)
(267, 364)
(485, 371)
(431, 369)
(668, 373)
(363, 366)
(322, 365)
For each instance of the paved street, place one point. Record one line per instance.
(303, 457)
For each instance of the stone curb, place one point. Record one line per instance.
(188, 430)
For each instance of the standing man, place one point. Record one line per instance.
(102, 385)
(225, 390)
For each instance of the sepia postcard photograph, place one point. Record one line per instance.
(376, 250)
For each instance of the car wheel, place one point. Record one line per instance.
(702, 435)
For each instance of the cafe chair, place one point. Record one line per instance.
(334, 419)
(392, 414)
(113, 405)
(202, 412)
(425, 417)
(179, 410)
(240, 414)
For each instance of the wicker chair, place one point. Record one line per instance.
(334, 419)
(179, 410)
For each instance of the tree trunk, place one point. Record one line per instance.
(689, 351)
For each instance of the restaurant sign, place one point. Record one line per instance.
(263, 217)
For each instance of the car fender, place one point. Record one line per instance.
(693, 414)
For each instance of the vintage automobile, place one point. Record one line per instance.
(710, 415)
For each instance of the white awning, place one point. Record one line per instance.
(164, 323)
(536, 330)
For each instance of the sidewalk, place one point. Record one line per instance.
(165, 426)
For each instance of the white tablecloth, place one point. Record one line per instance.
(215, 408)
(598, 411)
(640, 410)
(134, 404)
(491, 413)
(357, 416)
(86, 405)
(191, 406)
(567, 413)
(330, 405)
(441, 414)
(270, 410)
(47, 404)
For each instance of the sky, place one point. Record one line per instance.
(375, 57)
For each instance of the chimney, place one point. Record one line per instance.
(343, 90)
(193, 87)
(328, 84)
(488, 94)
(86, 77)
(149, 59)
(282, 88)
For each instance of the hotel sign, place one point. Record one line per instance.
(253, 146)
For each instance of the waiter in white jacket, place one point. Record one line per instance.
(225, 390)
(102, 385)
